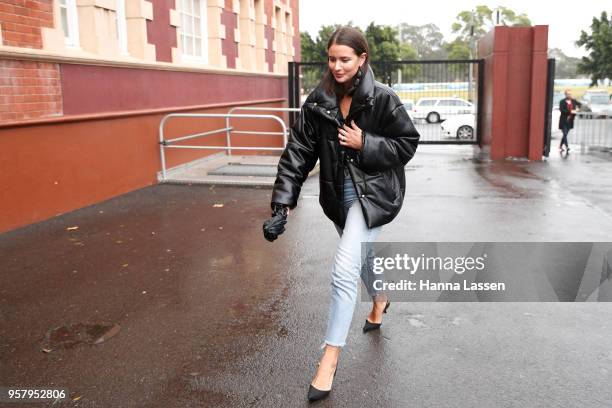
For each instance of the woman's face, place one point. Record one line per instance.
(343, 62)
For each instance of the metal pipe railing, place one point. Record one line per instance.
(256, 108)
(164, 144)
(211, 132)
(594, 130)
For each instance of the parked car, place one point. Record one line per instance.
(596, 101)
(408, 105)
(434, 110)
(460, 126)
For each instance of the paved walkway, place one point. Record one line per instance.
(211, 314)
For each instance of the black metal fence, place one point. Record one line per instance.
(441, 97)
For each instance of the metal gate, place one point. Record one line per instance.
(443, 98)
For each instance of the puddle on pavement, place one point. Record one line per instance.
(69, 337)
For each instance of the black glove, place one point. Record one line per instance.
(275, 226)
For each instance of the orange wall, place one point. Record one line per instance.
(60, 165)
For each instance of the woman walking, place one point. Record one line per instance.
(362, 135)
(567, 109)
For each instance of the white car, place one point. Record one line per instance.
(434, 110)
(408, 105)
(460, 126)
(596, 101)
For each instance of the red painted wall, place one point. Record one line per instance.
(64, 163)
(93, 89)
(229, 46)
(160, 32)
(56, 167)
(514, 91)
(269, 35)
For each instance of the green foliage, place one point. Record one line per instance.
(408, 53)
(408, 42)
(308, 47)
(316, 50)
(599, 45)
(458, 49)
(427, 40)
(565, 66)
(383, 42)
(384, 46)
(473, 26)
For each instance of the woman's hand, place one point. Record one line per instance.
(275, 226)
(350, 136)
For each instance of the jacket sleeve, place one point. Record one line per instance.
(394, 147)
(297, 160)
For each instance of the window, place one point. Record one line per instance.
(192, 31)
(121, 27)
(70, 22)
(427, 102)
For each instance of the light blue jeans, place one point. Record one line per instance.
(349, 265)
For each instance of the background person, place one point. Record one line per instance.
(362, 135)
(567, 108)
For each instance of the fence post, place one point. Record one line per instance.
(550, 88)
(480, 101)
(293, 87)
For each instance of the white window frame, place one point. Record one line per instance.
(203, 32)
(72, 36)
(122, 27)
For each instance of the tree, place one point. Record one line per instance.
(565, 66)
(316, 50)
(384, 47)
(383, 42)
(308, 47)
(427, 40)
(599, 44)
(408, 71)
(471, 26)
(458, 49)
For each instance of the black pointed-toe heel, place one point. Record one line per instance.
(369, 326)
(315, 394)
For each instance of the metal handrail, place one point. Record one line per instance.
(256, 108)
(163, 144)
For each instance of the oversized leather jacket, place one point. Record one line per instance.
(377, 170)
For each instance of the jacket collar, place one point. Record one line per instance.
(363, 96)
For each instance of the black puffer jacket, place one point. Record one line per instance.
(377, 170)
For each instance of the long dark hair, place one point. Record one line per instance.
(354, 38)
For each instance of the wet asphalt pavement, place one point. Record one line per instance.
(211, 314)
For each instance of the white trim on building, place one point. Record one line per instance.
(70, 22)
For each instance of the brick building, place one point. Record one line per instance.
(84, 84)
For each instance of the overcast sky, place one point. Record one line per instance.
(564, 18)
